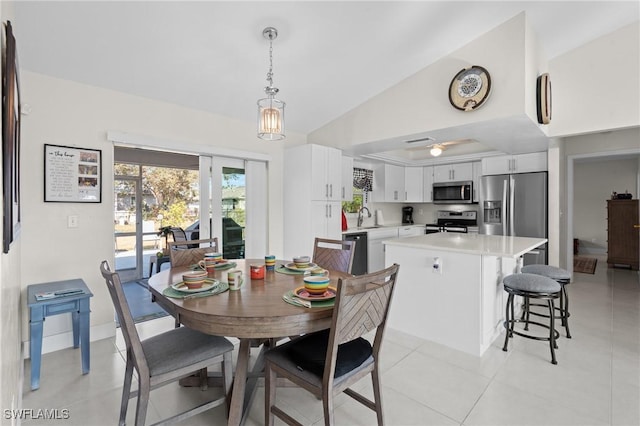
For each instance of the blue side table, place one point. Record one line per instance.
(55, 298)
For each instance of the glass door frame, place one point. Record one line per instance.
(135, 273)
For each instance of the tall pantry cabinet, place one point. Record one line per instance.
(312, 197)
(623, 229)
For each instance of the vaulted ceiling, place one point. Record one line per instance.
(328, 58)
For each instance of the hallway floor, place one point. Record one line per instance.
(596, 381)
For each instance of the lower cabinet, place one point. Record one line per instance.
(375, 248)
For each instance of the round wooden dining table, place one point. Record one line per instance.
(255, 312)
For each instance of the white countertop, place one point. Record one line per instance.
(491, 245)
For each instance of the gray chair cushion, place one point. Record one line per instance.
(531, 283)
(547, 271)
(181, 346)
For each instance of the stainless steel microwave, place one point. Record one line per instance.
(453, 192)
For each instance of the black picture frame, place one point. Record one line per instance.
(11, 110)
(72, 174)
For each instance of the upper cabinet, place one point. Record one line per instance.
(521, 163)
(347, 179)
(398, 184)
(452, 172)
(388, 183)
(427, 184)
(326, 171)
(477, 172)
(413, 184)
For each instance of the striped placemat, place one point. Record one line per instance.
(288, 271)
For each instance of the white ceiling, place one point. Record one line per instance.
(329, 56)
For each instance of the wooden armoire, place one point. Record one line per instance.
(623, 233)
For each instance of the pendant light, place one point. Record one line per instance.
(270, 109)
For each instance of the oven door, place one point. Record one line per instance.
(432, 229)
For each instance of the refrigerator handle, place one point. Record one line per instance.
(512, 192)
(504, 207)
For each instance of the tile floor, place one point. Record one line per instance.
(596, 381)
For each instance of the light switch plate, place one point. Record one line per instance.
(72, 221)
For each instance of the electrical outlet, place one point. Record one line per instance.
(436, 268)
(72, 221)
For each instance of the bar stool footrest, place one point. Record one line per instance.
(529, 336)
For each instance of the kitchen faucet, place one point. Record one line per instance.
(360, 218)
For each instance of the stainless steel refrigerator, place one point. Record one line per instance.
(515, 205)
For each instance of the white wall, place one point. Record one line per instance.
(594, 181)
(67, 113)
(420, 103)
(595, 87)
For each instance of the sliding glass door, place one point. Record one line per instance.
(237, 217)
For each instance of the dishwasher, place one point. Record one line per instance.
(360, 256)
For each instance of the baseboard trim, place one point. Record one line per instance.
(60, 341)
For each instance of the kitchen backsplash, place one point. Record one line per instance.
(423, 213)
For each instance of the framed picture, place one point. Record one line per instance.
(10, 140)
(72, 175)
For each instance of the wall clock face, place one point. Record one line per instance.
(470, 88)
(543, 99)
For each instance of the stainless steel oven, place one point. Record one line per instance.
(449, 221)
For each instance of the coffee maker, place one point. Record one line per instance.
(407, 215)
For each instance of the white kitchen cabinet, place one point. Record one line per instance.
(347, 179)
(388, 183)
(326, 220)
(375, 248)
(410, 231)
(413, 184)
(477, 172)
(520, 163)
(427, 179)
(452, 172)
(326, 170)
(309, 209)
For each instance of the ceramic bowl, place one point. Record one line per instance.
(302, 261)
(194, 279)
(316, 285)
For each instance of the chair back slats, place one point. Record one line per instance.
(182, 257)
(127, 324)
(334, 254)
(362, 311)
(362, 304)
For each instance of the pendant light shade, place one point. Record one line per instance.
(270, 109)
(270, 119)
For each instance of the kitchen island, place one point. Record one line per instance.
(449, 289)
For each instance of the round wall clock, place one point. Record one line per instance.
(470, 88)
(543, 99)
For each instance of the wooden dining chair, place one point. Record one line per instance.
(326, 363)
(180, 256)
(334, 254)
(165, 357)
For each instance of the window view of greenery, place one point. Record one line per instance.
(170, 197)
(356, 204)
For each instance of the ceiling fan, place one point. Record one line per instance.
(436, 148)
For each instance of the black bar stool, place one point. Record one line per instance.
(563, 278)
(531, 286)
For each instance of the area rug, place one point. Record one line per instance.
(586, 265)
(140, 304)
